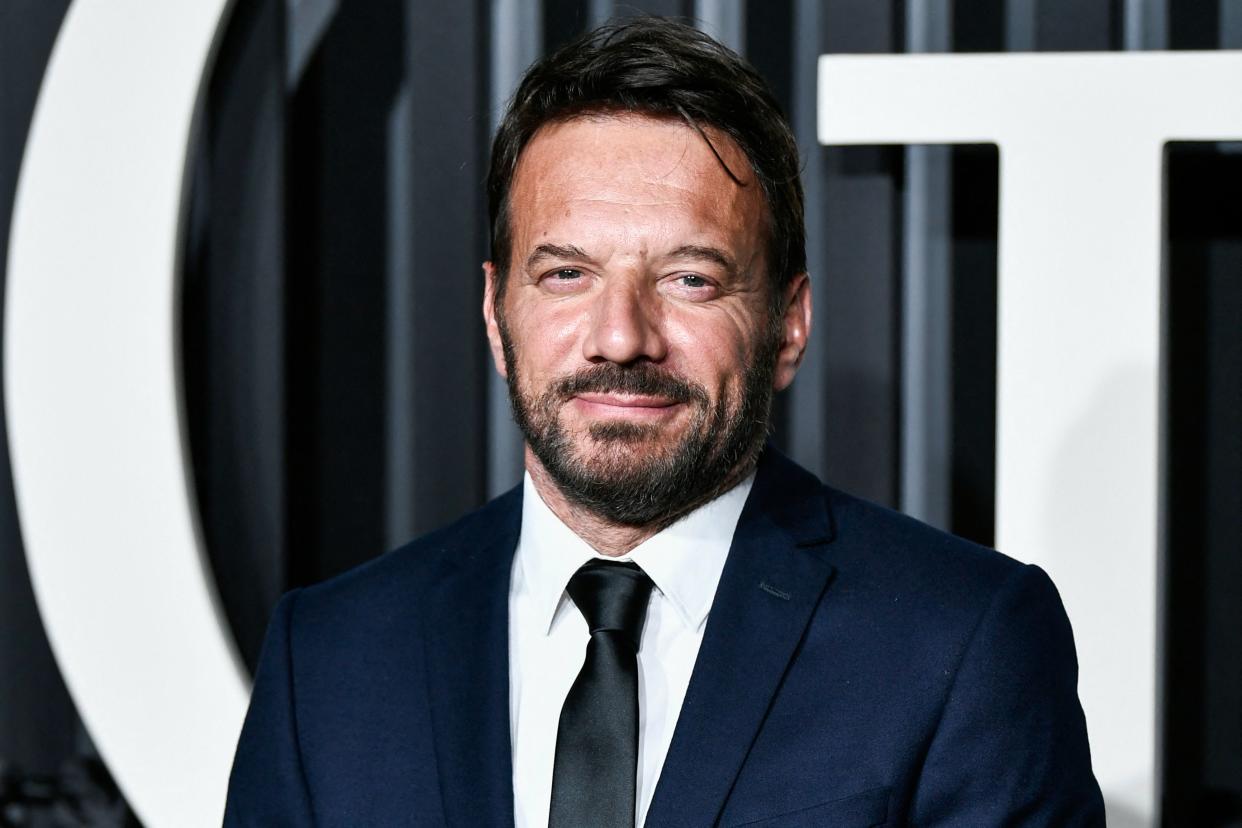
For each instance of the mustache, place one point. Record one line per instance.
(637, 378)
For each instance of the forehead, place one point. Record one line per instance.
(635, 170)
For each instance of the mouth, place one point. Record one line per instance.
(621, 405)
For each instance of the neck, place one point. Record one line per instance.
(605, 536)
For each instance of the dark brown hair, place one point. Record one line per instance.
(667, 69)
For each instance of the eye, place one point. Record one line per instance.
(692, 280)
(692, 287)
(564, 280)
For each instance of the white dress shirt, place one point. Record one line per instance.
(548, 636)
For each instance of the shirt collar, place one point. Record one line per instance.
(683, 560)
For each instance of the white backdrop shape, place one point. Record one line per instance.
(93, 403)
(1081, 140)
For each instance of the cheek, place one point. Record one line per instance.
(545, 343)
(712, 351)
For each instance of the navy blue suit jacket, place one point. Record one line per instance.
(858, 668)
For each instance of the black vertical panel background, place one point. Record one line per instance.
(449, 103)
(975, 181)
(335, 291)
(233, 289)
(1078, 25)
(975, 176)
(862, 320)
(563, 20)
(1203, 463)
(668, 8)
(1202, 482)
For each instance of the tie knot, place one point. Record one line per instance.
(612, 595)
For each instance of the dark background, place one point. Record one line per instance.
(341, 400)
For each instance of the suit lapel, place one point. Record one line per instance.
(467, 641)
(770, 587)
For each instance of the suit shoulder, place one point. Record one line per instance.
(913, 590)
(879, 548)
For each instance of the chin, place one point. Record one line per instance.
(626, 438)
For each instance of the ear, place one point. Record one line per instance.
(490, 275)
(795, 330)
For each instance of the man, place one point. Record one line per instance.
(666, 623)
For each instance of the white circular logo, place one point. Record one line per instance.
(93, 402)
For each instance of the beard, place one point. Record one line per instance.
(625, 472)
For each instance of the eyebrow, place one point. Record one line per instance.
(555, 251)
(705, 253)
(692, 252)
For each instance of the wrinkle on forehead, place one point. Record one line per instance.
(718, 150)
(584, 175)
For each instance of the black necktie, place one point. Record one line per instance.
(596, 770)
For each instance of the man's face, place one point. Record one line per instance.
(637, 330)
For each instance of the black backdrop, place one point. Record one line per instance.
(340, 398)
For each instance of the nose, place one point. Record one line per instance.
(625, 325)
